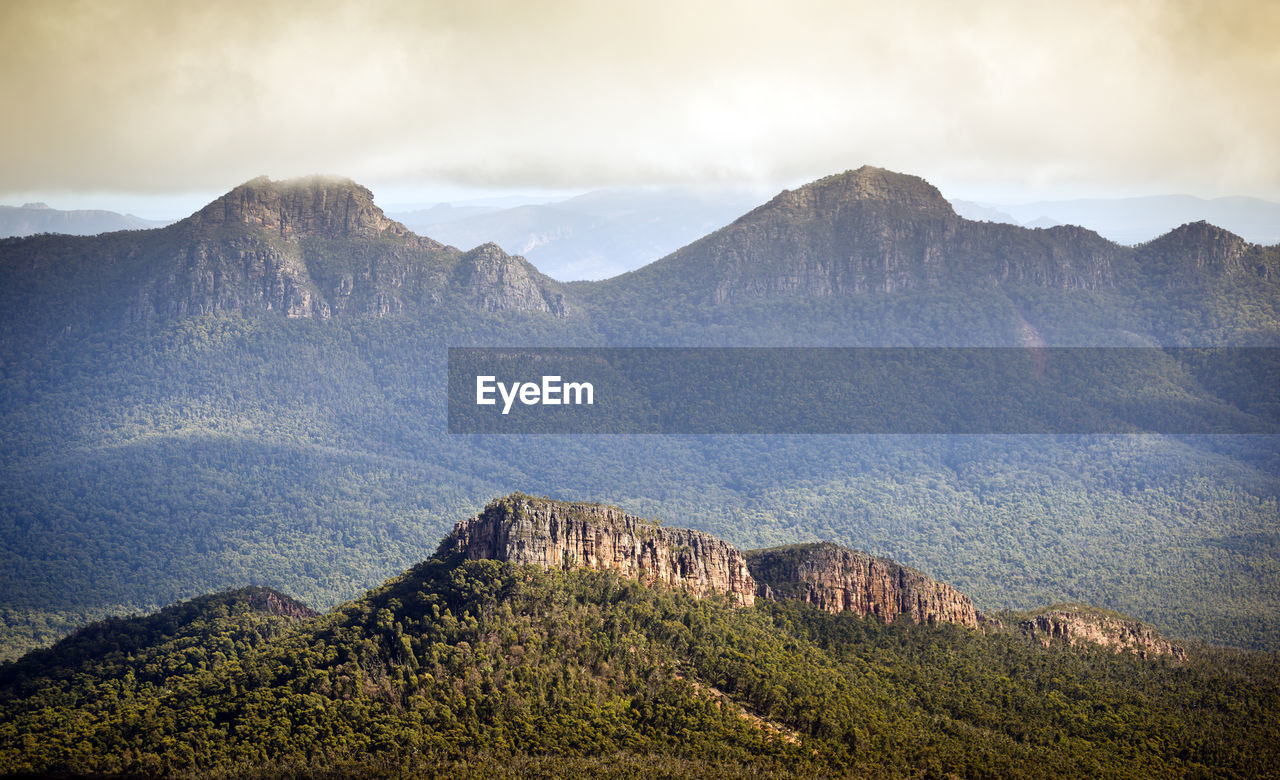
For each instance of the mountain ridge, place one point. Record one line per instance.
(286, 247)
(874, 231)
(570, 536)
(489, 668)
(1135, 220)
(314, 247)
(565, 535)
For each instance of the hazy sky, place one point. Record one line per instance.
(1013, 100)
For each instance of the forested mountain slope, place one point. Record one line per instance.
(469, 667)
(255, 395)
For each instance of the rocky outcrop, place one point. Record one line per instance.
(209, 276)
(838, 579)
(273, 602)
(1198, 252)
(1075, 625)
(868, 184)
(499, 282)
(322, 206)
(558, 534)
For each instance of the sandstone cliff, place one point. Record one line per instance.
(1074, 625)
(838, 579)
(558, 534)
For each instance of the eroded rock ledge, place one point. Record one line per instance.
(838, 579)
(1074, 624)
(527, 530)
(564, 535)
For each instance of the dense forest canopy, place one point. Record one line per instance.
(169, 430)
(456, 665)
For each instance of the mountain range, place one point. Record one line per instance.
(547, 638)
(254, 395)
(1138, 220)
(603, 233)
(32, 218)
(607, 232)
(873, 231)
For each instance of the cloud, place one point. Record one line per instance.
(168, 97)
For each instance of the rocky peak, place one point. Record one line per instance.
(498, 281)
(1195, 250)
(863, 186)
(870, 231)
(1073, 625)
(328, 207)
(1201, 235)
(558, 534)
(273, 602)
(837, 579)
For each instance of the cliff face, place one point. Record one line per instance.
(241, 275)
(837, 579)
(310, 247)
(557, 534)
(498, 282)
(315, 206)
(1073, 626)
(275, 603)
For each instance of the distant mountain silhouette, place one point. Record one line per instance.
(1135, 220)
(32, 218)
(592, 236)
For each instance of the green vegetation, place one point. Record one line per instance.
(139, 469)
(164, 434)
(469, 666)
